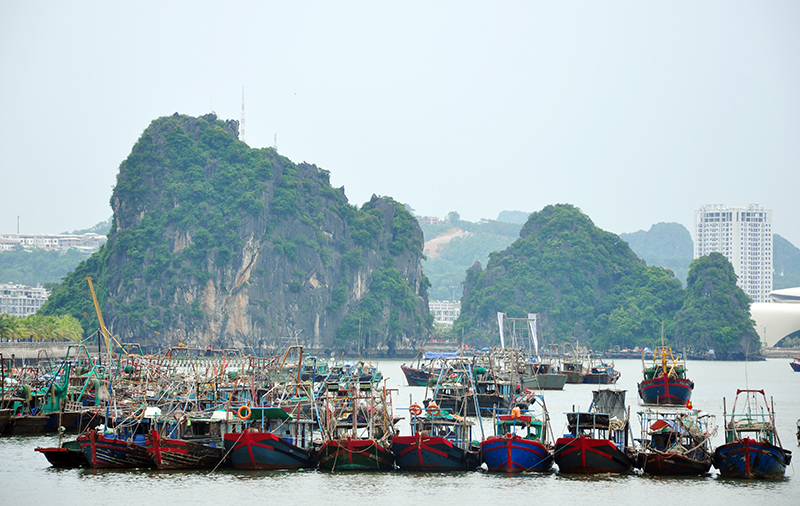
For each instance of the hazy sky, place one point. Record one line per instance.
(636, 112)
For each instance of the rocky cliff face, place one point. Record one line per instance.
(217, 244)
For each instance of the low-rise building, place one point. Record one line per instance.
(445, 311)
(21, 300)
(51, 241)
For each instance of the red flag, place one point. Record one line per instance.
(688, 404)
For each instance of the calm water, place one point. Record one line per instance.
(25, 476)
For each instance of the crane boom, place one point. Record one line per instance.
(103, 329)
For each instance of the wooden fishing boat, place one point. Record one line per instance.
(574, 371)
(798, 431)
(425, 366)
(664, 381)
(518, 445)
(795, 364)
(597, 441)
(25, 424)
(358, 425)
(601, 374)
(542, 376)
(121, 446)
(676, 442)
(439, 442)
(189, 440)
(572, 361)
(355, 454)
(272, 440)
(5, 417)
(67, 455)
(752, 447)
(416, 377)
(107, 450)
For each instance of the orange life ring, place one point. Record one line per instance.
(433, 409)
(415, 409)
(138, 414)
(244, 412)
(179, 415)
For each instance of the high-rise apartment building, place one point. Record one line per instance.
(744, 236)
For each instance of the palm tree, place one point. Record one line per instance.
(10, 326)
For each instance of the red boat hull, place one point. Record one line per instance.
(583, 455)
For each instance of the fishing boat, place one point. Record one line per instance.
(571, 361)
(798, 431)
(795, 364)
(675, 442)
(664, 380)
(424, 366)
(357, 428)
(67, 454)
(188, 441)
(519, 444)
(25, 423)
(121, 446)
(542, 376)
(597, 440)
(573, 370)
(272, 440)
(601, 374)
(5, 417)
(439, 442)
(752, 447)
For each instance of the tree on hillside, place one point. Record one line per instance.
(667, 245)
(586, 284)
(716, 312)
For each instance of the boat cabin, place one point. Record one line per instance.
(525, 426)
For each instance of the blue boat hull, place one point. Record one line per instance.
(748, 458)
(666, 391)
(515, 455)
(431, 454)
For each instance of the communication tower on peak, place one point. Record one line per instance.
(241, 123)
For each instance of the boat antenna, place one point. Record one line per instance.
(746, 352)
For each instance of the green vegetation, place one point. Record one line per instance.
(446, 269)
(222, 244)
(40, 328)
(37, 266)
(586, 283)
(667, 245)
(101, 228)
(716, 312)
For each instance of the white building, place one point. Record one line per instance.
(21, 300)
(90, 240)
(744, 236)
(444, 311)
